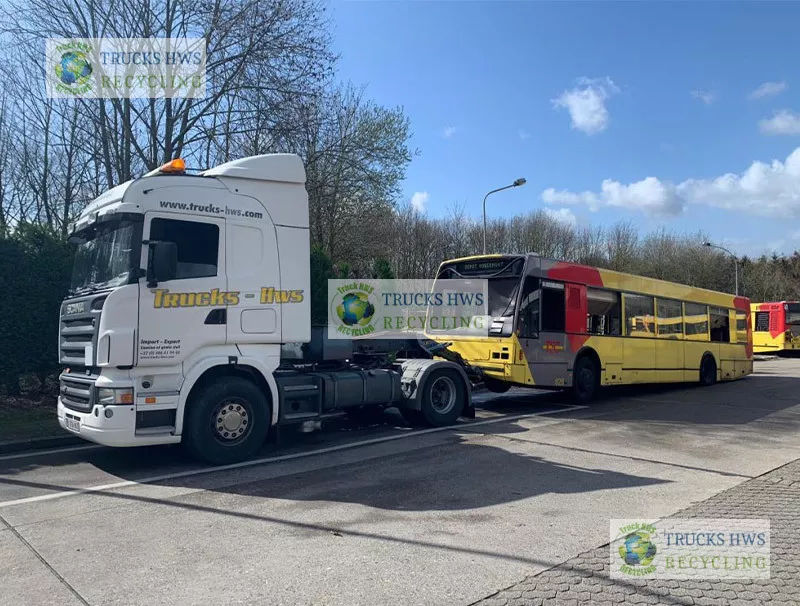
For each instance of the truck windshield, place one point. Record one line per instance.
(106, 256)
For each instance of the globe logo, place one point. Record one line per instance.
(74, 68)
(637, 550)
(355, 309)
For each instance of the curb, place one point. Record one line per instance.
(39, 443)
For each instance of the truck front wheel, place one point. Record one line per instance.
(444, 397)
(226, 421)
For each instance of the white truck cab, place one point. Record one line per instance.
(185, 289)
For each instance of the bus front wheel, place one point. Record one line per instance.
(584, 380)
(496, 386)
(708, 371)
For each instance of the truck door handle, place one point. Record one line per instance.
(217, 316)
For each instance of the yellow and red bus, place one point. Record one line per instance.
(776, 326)
(556, 324)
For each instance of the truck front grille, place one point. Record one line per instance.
(77, 391)
(80, 321)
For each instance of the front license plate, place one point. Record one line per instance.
(73, 424)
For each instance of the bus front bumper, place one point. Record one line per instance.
(118, 429)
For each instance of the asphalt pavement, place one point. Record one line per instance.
(379, 513)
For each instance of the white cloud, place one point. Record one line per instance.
(783, 122)
(448, 131)
(562, 215)
(763, 189)
(768, 89)
(523, 134)
(586, 103)
(649, 195)
(419, 200)
(706, 96)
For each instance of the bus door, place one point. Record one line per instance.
(541, 324)
(639, 351)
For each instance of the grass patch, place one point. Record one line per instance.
(23, 418)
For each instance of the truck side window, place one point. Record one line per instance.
(198, 245)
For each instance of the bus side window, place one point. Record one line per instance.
(639, 316)
(604, 312)
(669, 318)
(553, 309)
(741, 327)
(695, 320)
(529, 309)
(720, 325)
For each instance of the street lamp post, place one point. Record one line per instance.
(735, 264)
(517, 183)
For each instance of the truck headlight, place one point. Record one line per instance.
(107, 396)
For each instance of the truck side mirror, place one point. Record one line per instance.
(162, 263)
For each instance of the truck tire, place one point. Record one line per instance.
(414, 418)
(584, 380)
(708, 371)
(496, 386)
(226, 421)
(443, 398)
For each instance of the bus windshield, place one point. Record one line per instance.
(793, 314)
(503, 276)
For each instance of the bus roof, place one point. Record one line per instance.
(615, 280)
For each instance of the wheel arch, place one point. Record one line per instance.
(591, 353)
(215, 369)
(710, 354)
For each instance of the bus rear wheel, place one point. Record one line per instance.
(708, 371)
(584, 380)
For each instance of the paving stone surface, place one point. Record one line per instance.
(585, 578)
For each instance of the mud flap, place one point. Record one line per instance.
(415, 371)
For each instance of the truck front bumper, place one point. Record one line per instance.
(117, 430)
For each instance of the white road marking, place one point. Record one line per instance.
(39, 453)
(288, 457)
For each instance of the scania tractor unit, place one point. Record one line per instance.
(189, 320)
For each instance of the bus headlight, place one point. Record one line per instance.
(107, 397)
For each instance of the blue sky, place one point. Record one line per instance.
(657, 99)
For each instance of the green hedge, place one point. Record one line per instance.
(35, 269)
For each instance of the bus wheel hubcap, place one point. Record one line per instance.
(231, 421)
(443, 395)
(585, 380)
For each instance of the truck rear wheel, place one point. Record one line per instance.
(227, 421)
(444, 397)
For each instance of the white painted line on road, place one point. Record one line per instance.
(277, 459)
(39, 453)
